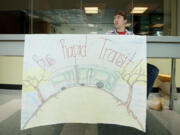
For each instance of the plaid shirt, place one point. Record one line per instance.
(113, 32)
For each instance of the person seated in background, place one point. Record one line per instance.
(120, 20)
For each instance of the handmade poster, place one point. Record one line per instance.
(84, 79)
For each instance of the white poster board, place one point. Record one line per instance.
(84, 79)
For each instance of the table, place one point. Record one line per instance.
(157, 47)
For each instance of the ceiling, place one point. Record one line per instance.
(76, 4)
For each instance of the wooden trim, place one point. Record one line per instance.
(19, 87)
(11, 86)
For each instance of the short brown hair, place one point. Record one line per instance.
(122, 13)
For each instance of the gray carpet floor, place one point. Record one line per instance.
(10, 122)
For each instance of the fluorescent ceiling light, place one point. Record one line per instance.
(128, 24)
(139, 10)
(157, 25)
(91, 10)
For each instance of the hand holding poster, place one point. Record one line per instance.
(84, 79)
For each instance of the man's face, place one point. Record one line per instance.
(119, 21)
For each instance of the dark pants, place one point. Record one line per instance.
(152, 73)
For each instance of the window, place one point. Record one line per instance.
(152, 17)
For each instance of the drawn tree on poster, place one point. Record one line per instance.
(132, 74)
(35, 77)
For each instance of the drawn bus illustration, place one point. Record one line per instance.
(85, 76)
(98, 77)
(63, 79)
